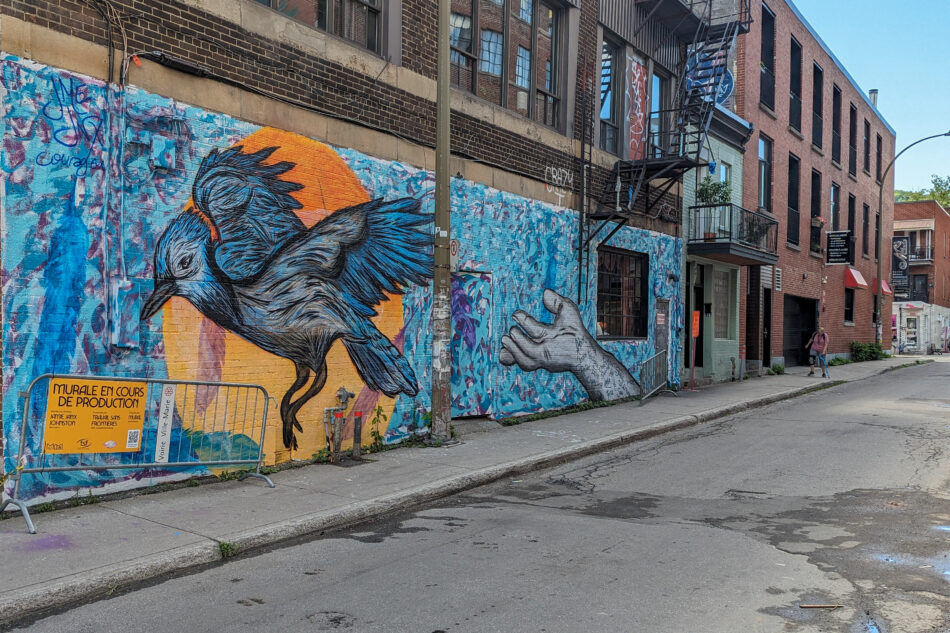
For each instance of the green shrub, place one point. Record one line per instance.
(861, 352)
(839, 360)
(777, 368)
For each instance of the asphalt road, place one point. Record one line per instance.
(836, 498)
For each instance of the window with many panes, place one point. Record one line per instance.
(792, 230)
(818, 78)
(513, 61)
(765, 173)
(795, 86)
(359, 21)
(622, 292)
(610, 95)
(767, 60)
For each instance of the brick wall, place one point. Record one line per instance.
(805, 273)
(278, 67)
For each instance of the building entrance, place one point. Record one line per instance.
(799, 321)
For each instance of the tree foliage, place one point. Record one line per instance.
(939, 191)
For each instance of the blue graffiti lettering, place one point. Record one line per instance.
(81, 165)
(77, 123)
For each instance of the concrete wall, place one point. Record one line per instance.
(94, 177)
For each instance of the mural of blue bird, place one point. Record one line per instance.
(245, 260)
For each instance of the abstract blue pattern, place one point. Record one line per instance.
(70, 236)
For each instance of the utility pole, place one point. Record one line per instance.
(441, 281)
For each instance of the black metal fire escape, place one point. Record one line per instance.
(673, 138)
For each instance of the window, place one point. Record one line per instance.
(622, 292)
(725, 172)
(724, 297)
(815, 241)
(836, 124)
(514, 59)
(525, 13)
(765, 173)
(852, 140)
(659, 98)
(864, 230)
(490, 58)
(835, 199)
(867, 146)
(851, 209)
(792, 231)
(610, 108)
(795, 87)
(523, 69)
(359, 21)
(460, 40)
(878, 158)
(849, 305)
(767, 76)
(816, 103)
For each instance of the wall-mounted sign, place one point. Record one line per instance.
(94, 416)
(900, 252)
(839, 249)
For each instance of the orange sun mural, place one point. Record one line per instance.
(278, 272)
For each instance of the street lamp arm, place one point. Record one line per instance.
(880, 235)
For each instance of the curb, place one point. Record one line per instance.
(34, 599)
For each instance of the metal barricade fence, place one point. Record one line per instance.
(653, 375)
(173, 424)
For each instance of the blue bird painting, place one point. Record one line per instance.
(243, 258)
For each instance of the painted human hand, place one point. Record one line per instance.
(556, 346)
(566, 345)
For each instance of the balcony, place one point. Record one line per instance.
(921, 255)
(729, 233)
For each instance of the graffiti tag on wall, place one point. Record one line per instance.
(636, 103)
(559, 181)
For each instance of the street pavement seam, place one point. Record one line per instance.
(34, 599)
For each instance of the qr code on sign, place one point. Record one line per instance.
(132, 439)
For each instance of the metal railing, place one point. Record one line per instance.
(922, 254)
(148, 424)
(795, 111)
(767, 88)
(654, 374)
(732, 223)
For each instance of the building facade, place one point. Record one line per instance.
(818, 153)
(921, 277)
(192, 188)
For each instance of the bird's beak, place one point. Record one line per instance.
(164, 290)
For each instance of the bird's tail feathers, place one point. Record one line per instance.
(380, 364)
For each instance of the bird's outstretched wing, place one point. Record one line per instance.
(366, 250)
(251, 207)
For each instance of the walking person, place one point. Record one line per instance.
(817, 346)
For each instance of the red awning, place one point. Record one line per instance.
(884, 287)
(854, 279)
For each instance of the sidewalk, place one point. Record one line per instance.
(86, 552)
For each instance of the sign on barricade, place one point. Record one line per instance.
(94, 423)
